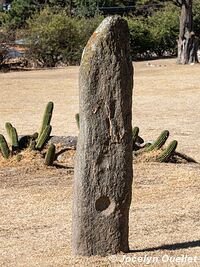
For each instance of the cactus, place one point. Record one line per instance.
(26, 140)
(142, 150)
(46, 118)
(34, 136)
(77, 117)
(15, 143)
(12, 133)
(32, 145)
(168, 152)
(160, 141)
(8, 127)
(135, 133)
(32, 142)
(50, 155)
(43, 137)
(4, 147)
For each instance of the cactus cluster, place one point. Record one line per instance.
(166, 153)
(4, 147)
(33, 142)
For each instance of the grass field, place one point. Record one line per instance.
(35, 210)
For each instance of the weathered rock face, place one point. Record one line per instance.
(103, 168)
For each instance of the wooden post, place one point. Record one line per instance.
(103, 169)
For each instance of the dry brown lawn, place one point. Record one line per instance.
(35, 209)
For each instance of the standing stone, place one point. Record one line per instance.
(103, 168)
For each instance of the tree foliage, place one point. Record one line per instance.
(154, 35)
(57, 30)
(55, 37)
(21, 10)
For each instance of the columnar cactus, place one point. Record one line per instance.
(12, 133)
(42, 139)
(50, 155)
(46, 117)
(32, 145)
(8, 127)
(77, 117)
(4, 147)
(168, 152)
(160, 141)
(15, 143)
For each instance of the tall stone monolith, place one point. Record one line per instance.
(103, 168)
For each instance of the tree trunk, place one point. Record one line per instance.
(103, 168)
(188, 43)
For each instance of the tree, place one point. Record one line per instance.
(20, 11)
(52, 38)
(187, 42)
(146, 8)
(55, 38)
(1, 5)
(89, 8)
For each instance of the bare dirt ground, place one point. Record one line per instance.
(35, 210)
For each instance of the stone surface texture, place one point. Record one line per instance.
(103, 167)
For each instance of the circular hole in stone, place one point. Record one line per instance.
(102, 203)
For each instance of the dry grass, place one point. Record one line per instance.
(35, 210)
(24, 96)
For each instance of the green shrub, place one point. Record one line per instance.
(86, 27)
(156, 34)
(164, 30)
(140, 38)
(21, 10)
(52, 37)
(196, 17)
(55, 37)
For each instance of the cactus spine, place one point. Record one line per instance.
(135, 133)
(4, 147)
(50, 155)
(43, 137)
(77, 117)
(168, 152)
(160, 141)
(46, 118)
(12, 133)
